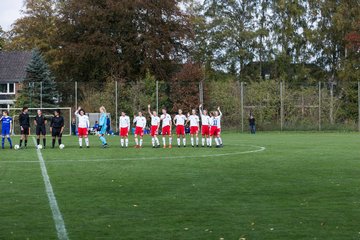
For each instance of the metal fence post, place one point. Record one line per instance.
(242, 105)
(116, 105)
(41, 94)
(157, 96)
(281, 106)
(319, 106)
(331, 103)
(359, 106)
(76, 103)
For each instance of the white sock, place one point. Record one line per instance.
(184, 141)
(157, 141)
(210, 141)
(136, 141)
(216, 141)
(178, 141)
(141, 141)
(153, 141)
(203, 141)
(170, 140)
(126, 142)
(192, 141)
(87, 141)
(197, 141)
(220, 140)
(164, 141)
(80, 142)
(122, 142)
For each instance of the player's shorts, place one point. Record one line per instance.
(166, 130)
(180, 130)
(205, 130)
(25, 131)
(194, 130)
(124, 132)
(40, 130)
(215, 131)
(56, 132)
(83, 132)
(102, 130)
(139, 131)
(5, 132)
(154, 131)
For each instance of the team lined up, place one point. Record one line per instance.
(210, 128)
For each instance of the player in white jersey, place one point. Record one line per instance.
(179, 122)
(216, 128)
(166, 127)
(83, 126)
(124, 126)
(140, 123)
(194, 127)
(205, 127)
(155, 124)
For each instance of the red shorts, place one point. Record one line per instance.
(124, 132)
(180, 130)
(139, 131)
(194, 130)
(154, 131)
(215, 131)
(205, 130)
(82, 132)
(166, 130)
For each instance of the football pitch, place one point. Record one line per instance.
(263, 186)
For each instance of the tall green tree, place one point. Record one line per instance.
(39, 84)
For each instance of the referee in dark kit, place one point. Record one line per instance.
(56, 127)
(24, 121)
(40, 123)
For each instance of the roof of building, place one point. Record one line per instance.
(13, 66)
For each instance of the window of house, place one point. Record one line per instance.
(7, 88)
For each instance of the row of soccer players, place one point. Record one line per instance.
(56, 127)
(210, 127)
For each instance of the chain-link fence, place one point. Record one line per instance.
(276, 106)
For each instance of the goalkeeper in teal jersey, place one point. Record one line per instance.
(102, 125)
(6, 128)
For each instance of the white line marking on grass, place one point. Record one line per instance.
(58, 219)
(259, 149)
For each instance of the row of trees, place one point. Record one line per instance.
(182, 42)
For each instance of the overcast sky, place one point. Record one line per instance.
(9, 12)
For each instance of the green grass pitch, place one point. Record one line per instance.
(302, 186)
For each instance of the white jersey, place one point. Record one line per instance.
(124, 122)
(140, 121)
(83, 120)
(166, 120)
(205, 120)
(155, 120)
(216, 121)
(180, 120)
(194, 120)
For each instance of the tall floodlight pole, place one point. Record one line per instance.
(242, 105)
(281, 106)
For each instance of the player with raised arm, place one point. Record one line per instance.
(216, 128)
(124, 126)
(40, 123)
(6, 126)
(179, 122)
(83, 126)
(194, 127)
(205, 127)
(102, 126)
(155, 124)
(140, 124)
(24, 121)
(56, 127)
(166, 127)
